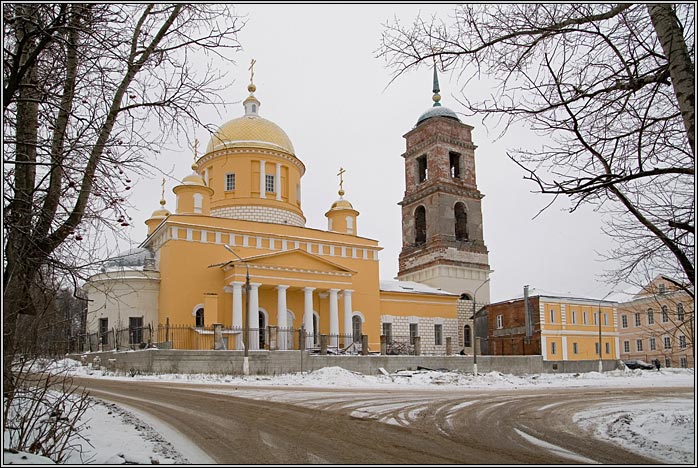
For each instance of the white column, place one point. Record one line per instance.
(281, 315)
(564, 348)
(237, 312)
(347, 316)
(254, 316)
(308, 316)
(334, 319)
(277, 181)
(544, 346)
(262, 179)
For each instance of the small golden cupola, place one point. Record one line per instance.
(341, 217)
(158, 215)
(193, 196)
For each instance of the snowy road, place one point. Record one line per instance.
(253, 425)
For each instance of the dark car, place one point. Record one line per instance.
(638, 364)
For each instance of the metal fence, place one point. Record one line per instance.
(168, 336)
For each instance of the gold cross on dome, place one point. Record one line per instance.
(341, 178)
(251, 69)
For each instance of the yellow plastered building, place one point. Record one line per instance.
(237, 240)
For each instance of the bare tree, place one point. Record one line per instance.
(90, 93)
(612, 89)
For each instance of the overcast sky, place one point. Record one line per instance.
(317, 78)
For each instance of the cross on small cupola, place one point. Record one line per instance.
(341, 181)
(251, 104)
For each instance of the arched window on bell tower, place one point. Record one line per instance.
(420, 225)
(461, 222)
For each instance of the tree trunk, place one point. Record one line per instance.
(670, 35)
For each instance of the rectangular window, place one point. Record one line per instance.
(269, 185)
(500, 321)
(638, 345)
(584, 317)
(650, 317)
(422, 173)
(638, 321)
(626, 346)
(682, 342)
(667, 362)
(230, 182)
(665, 314)
(605, 318)
(103, 330)
(653, 344)
(667, 342)
(624, 321)
(388, 332)
(454, 161)
(553, 348)
(680, 315)
(608, 348)
(575, 348)
(596, 318)
(684, 361)
(414, 332)
(135, 329)
(596, 348)
(438, 334)
(552, 316)
(574, 316)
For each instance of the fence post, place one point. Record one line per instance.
(167, 329)
(384, 345)
(448, 346)
(364, 345)
(417, 346)
(218, 336)
(323, 344)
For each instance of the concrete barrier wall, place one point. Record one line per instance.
(163, 361)
(580, 366)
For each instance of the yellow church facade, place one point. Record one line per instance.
(239, 215)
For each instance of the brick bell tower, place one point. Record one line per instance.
(442, 238)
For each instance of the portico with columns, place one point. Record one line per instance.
(278, 284)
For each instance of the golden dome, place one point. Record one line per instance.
(193, 179)
(341, 204)
(250, 131)
(161, 213)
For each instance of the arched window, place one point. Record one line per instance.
(420, 225)
(262, 329)
(198, 202)
(356, 328)
(466, 297)
(466, 336)
(200, 318)
(316, 333)
(461, 222)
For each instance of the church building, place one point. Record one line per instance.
(237, 236)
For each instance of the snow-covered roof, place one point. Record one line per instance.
(132, 259)
(536, 292)
(411, 287)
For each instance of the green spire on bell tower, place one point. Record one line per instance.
(436, 97)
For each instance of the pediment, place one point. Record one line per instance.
(298, 260)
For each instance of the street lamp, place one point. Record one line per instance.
(246, 359)
(474, 330)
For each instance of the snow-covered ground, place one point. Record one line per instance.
(662, 429)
